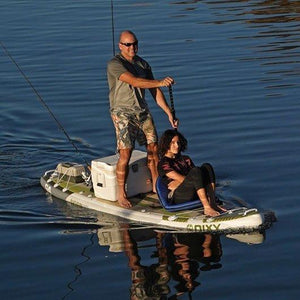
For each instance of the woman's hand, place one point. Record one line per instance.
(173, 185)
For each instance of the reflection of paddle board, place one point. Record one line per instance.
(251, 238)
(66, 182)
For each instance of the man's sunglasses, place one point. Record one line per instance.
(130, 44)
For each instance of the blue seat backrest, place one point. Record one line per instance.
(162, 192)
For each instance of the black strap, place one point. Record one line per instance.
(127, 65)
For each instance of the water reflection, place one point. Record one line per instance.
(180, 258)
(267, 32)
(147, 281)
(275, 11)
(77, 268)
(267, 11)
(269, 35)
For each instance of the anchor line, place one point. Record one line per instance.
(43, 102)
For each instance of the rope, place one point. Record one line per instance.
(43, 102)
(112, 26)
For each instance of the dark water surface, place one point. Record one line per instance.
(237, 71)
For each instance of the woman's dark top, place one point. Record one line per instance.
(195, 177)
(181, 164)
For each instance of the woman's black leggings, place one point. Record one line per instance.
(197, 178)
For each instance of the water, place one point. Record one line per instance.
(237, 68)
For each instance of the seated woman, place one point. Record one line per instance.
(185, 181)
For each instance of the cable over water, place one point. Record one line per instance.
(43, 102)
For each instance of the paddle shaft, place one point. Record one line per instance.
(172, 103)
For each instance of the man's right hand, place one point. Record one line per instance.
(174, 122)
(167, 81)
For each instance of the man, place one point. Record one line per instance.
(128, 76)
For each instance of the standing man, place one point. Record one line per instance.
(128, 76)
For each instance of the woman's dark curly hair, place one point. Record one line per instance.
(165, 141)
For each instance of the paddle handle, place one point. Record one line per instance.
(172, 102)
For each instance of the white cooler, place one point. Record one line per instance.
(105, 181)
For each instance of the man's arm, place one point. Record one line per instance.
(162, 103)
(154, 86)
(143, 83)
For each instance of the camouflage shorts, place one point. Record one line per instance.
(131, 127)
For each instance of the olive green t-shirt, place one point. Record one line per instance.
(123, 96)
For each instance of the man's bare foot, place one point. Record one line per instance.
(149, 181)
(124, 202)
(208, 211)
(154, 190)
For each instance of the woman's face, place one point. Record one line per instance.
(174, 147)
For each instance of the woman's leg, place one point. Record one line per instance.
(209, 180)
(209, 210)
(194, 183)
(210, 185)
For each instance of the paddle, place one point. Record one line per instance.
(172, 104)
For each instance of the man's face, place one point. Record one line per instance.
(128, 46)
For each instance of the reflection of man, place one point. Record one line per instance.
(181, 257)
(128, 77)
(148, 282)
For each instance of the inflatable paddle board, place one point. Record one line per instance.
(68, 182)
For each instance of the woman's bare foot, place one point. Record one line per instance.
(124, 202)
(149, 181)
(214, 204)
(208, 211)
(221, 209)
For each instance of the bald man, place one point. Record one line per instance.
(128, 76)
